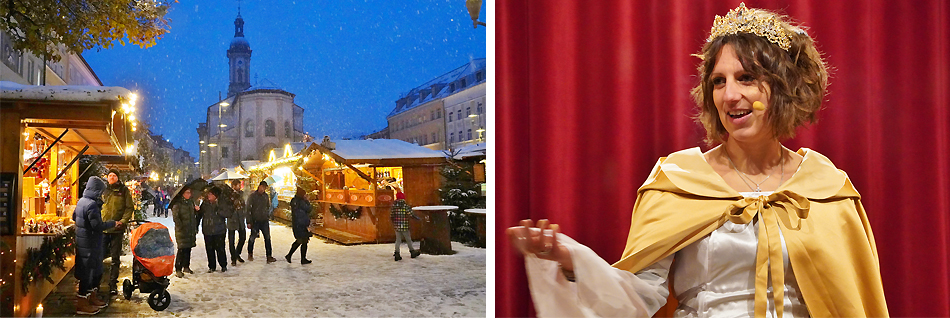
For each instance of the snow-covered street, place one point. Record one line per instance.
(361, 280)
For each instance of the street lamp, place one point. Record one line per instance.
(474, 6)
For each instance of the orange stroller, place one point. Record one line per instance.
(154, 260)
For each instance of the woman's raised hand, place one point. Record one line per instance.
(540, 241)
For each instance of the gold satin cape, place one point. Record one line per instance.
(819, 212)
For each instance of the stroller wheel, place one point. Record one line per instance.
(159, 299)
(127, 289)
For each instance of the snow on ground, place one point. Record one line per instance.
(361, 280)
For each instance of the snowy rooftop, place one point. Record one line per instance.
(442, 84)
(382, 149)
(473, 150)
(11, 90)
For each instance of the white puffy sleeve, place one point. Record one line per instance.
(599, 290)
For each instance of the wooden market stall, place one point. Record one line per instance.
(359, 179)
(49, 127)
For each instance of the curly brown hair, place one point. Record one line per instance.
(798, 79)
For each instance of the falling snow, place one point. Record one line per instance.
(347, 62)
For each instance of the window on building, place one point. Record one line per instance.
(425, 139)
(460, 136)
(470, 134)
(224, 152)
(286, 129)
(434, 139)
(468, 111)
(249, 128)
(432, 115)
(452, 138)
(462, 83)
(450, 116)
(452, 87)
(480, 108)
(479, 76)
(460, 115)
(269, 129)
(438, 113)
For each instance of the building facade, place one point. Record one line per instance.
(27, 69)
(446, 112)
(251, 120)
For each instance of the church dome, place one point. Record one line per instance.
(239, 43)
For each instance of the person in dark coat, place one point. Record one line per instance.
(300, 208)
(89, 246)
(117, 206)
(258, 213)
(214, 227)
(237, 222)
(183, 214)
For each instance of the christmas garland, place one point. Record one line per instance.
(343, 213)
(40, 262)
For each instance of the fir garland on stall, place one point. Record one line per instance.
(339, 213)
(40, 262)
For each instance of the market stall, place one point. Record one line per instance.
(39, 184)
(358, 181)
(278, 172)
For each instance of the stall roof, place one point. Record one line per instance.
(90, 113)
(473, 150)
(379, 152)
(76, 93)
(382, 149)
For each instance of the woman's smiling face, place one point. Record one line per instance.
(734, 92)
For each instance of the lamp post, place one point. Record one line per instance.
(220, 128)
(474, 6)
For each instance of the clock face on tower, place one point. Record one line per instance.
(241, 62)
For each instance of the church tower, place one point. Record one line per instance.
(239, 59)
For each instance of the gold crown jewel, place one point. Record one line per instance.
(745, 20)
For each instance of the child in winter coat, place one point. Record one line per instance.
(401, 211)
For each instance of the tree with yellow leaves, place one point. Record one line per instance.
(42, 26)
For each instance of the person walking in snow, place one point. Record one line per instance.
(401, 211)
(89, 249)
(258, 213)
(300, 208)
(236, 222)
(213, 226)
(183, 214)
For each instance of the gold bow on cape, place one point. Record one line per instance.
(817, 211)
(786, 206)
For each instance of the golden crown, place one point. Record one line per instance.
(745, 20)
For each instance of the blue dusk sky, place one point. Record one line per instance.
(346, 61)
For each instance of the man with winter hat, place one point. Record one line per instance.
(117, 206)
(258, 214)
(401, 211)
(89, 249)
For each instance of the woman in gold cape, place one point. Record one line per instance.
(722, 251)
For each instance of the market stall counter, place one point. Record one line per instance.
(39, 183)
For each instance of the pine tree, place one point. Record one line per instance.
(459, 189)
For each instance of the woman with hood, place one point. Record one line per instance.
(183, 213)
(300, 209)
(89, 249)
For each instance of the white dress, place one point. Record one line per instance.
(714, 277)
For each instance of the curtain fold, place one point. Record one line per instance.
(590, 94)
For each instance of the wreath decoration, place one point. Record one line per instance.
(40, 262)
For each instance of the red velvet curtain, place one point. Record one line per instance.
(591, 93)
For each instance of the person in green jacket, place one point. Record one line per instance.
(117, 206)
(183, 213)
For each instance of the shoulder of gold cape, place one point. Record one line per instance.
(687, 172)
